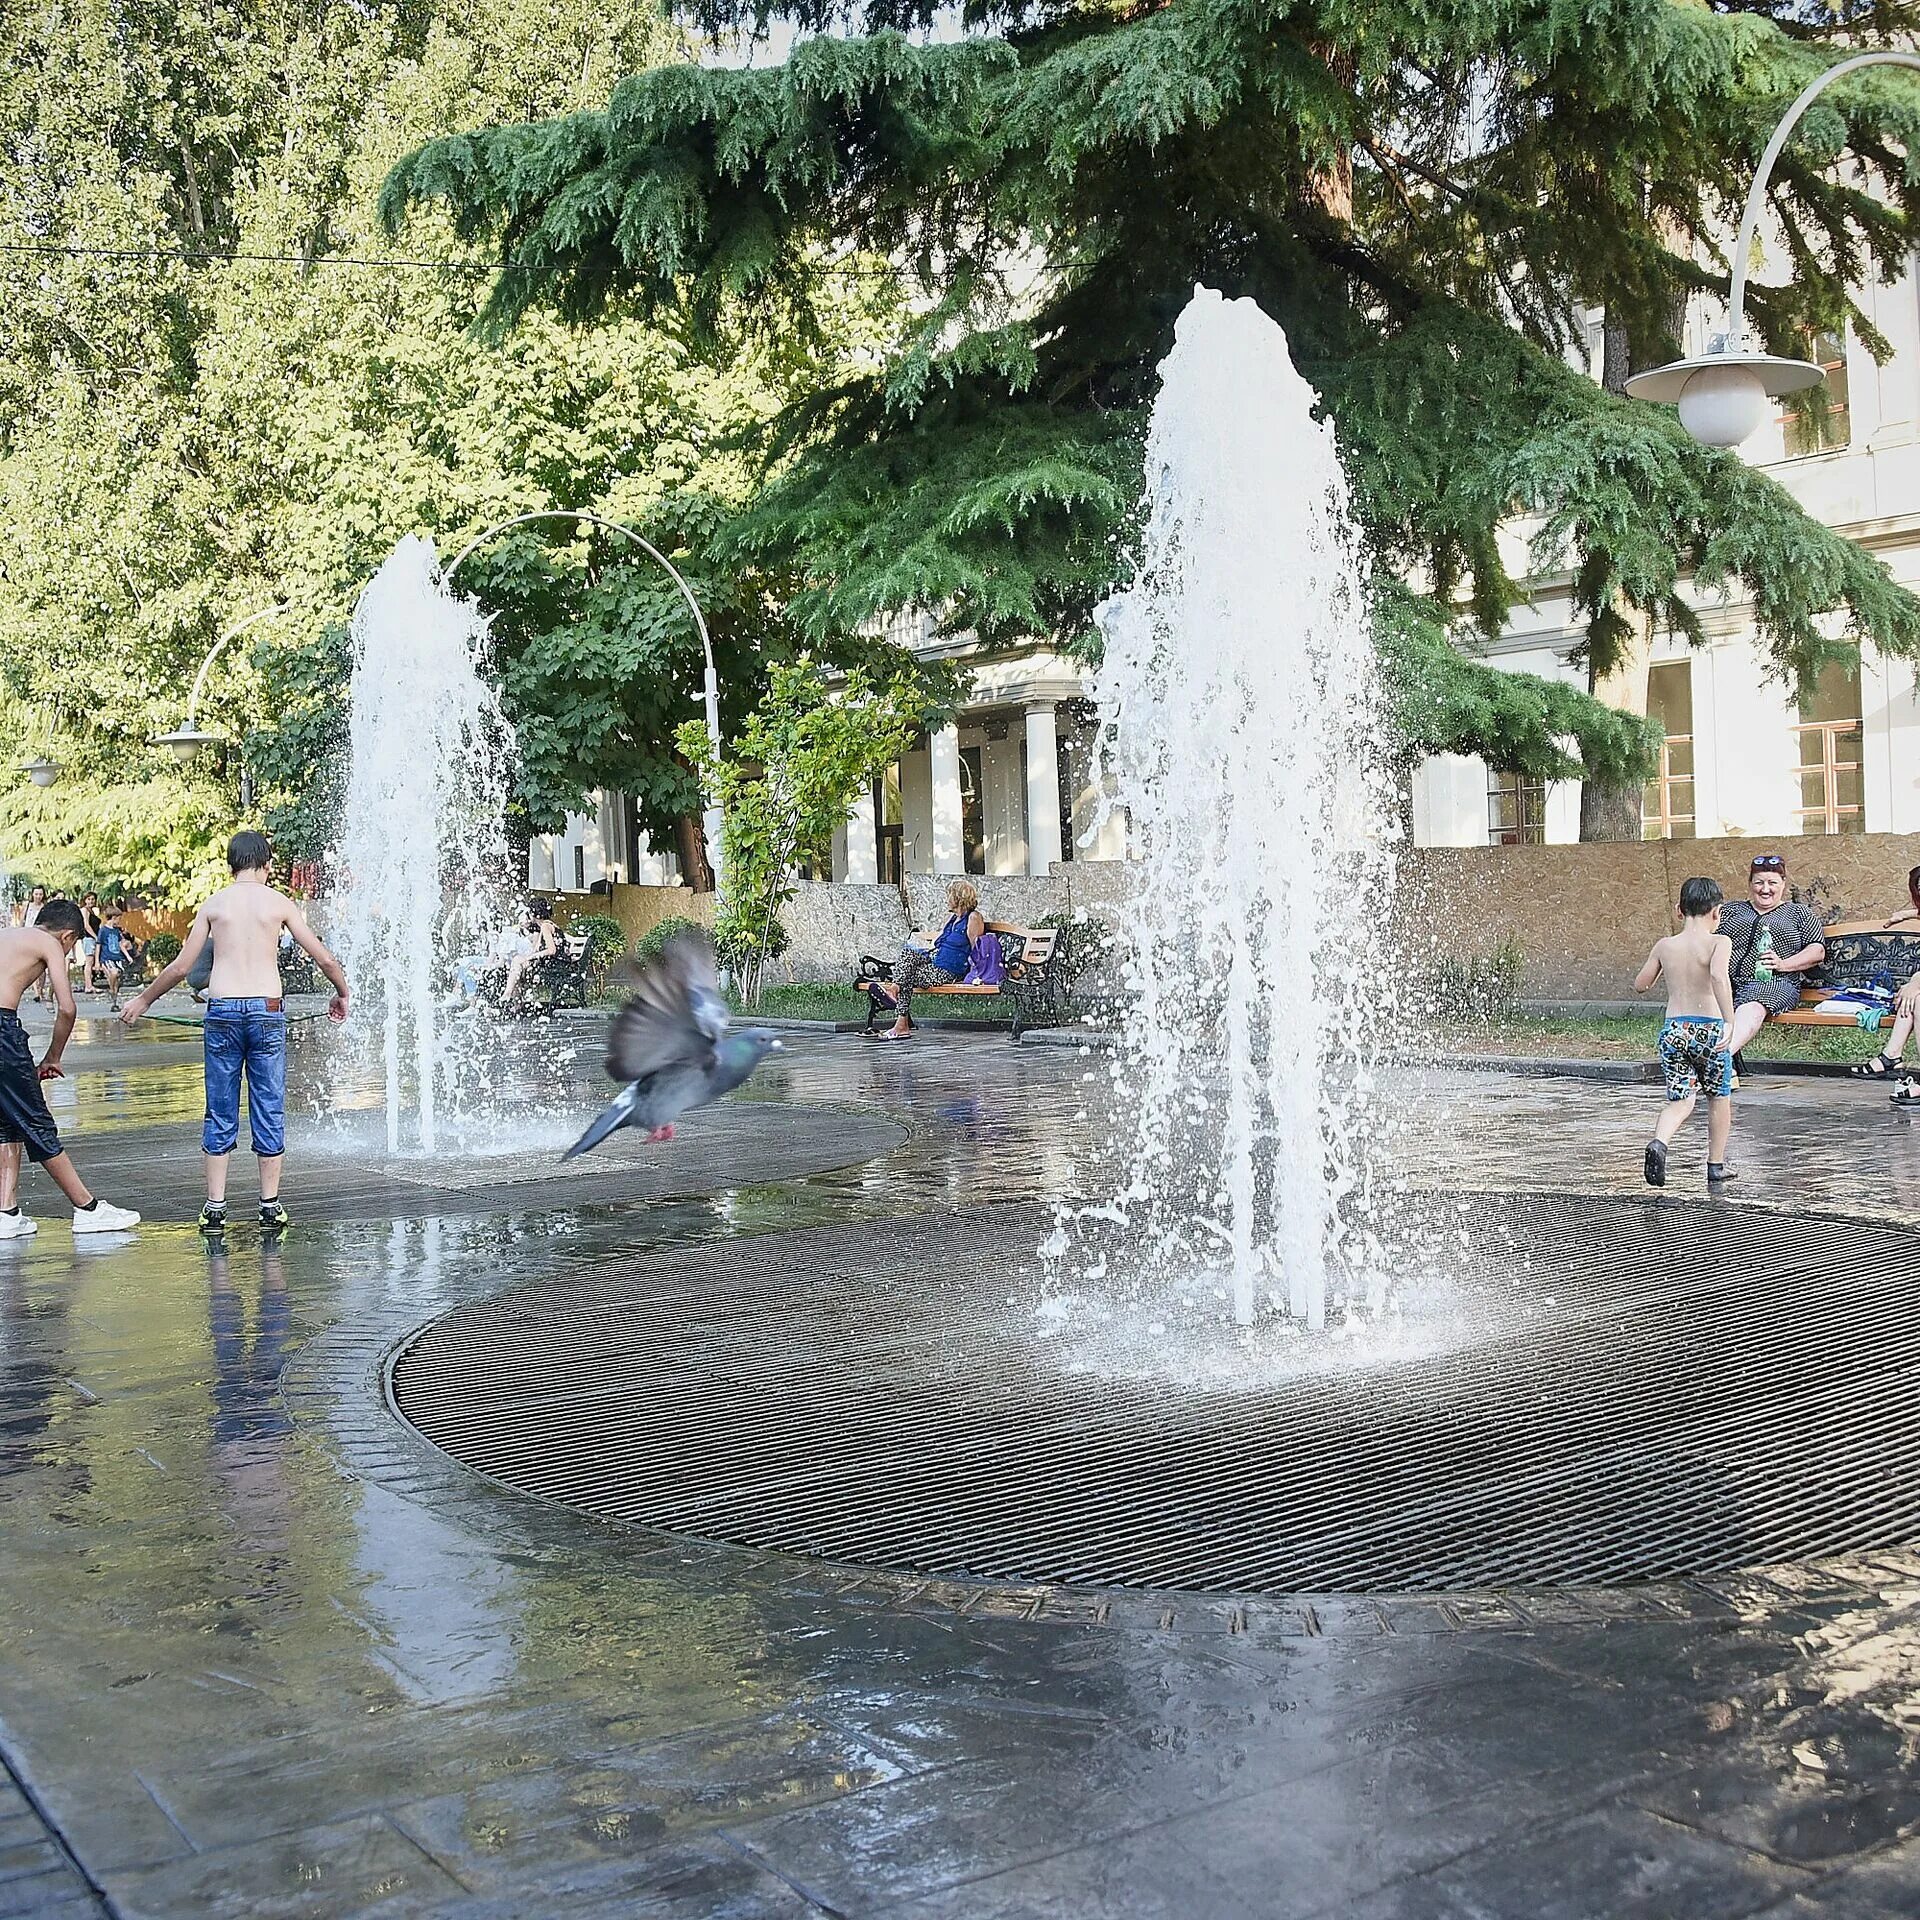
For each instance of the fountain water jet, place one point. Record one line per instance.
(423, 853)
(1241, 719)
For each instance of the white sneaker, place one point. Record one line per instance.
(104, 1218)
(16, 1226)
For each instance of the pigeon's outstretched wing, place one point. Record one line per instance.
(674, 1020)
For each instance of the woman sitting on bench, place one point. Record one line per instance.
(1891, 1059)
(952, 952)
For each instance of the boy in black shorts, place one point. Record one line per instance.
(28, 954)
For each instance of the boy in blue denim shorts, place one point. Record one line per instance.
(246, 1030)
(1694, 1054)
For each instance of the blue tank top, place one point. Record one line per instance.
(953, 950)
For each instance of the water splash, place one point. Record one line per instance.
(426, 874)
(1241, 717)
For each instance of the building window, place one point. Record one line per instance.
(1516, 810)
(1666, 812)
(1832, 787)
(1822, 420)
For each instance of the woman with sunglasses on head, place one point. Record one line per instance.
(1776, 944)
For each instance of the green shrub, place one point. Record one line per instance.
(657, 937)
(737, 937)
(163, 950)
(1482, 986)
(606, 943)
(1085, 942)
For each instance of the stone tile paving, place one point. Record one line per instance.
(263, 1652)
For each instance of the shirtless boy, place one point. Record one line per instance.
(28, 954)
(246, 1030)
(1693, 1044)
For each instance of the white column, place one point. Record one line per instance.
(949, 845)
(863, 849)
(1043, 791)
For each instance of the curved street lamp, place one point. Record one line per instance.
(1722, 394)
(42, 771)
(189, 737)
(710, 819)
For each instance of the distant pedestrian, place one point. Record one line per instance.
(112, 956)
(1694, 1055)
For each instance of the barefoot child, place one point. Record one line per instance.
(1693, 1044)
(246, 1031)
(29, 954)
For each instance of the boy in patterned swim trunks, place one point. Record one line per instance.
(1693, 1044)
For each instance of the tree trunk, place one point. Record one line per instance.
(690, 836)
(520, 846)
(1610, 812)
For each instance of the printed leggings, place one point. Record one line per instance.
(916, 969)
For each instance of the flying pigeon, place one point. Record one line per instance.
(671, 1046)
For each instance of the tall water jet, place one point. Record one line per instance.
(423, 854)
(1241, 719)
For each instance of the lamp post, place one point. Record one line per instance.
(1722, 394)
(189, 737)
(710, 818)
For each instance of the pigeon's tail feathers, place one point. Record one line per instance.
(675, 1016)
(610, 1121)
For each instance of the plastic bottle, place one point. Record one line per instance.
(1763, 954)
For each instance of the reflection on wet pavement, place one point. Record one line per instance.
(262, 1652)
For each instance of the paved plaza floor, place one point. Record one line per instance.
(264, 1651)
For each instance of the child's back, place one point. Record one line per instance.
(1686, 962)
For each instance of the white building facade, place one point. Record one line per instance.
(1745, 756)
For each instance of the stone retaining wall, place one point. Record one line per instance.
(1582, 916)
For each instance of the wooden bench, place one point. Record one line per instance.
(1034, 989)
(1855, 957)
(561, 978)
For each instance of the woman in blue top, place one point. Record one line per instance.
(951, 955)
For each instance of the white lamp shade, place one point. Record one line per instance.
(1723, 396)
(42, 772)
(183, 742)
(1722, 406)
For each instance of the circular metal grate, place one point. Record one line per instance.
(1692, 1389)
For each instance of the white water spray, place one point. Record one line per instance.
(423, 851)
(1241, 719)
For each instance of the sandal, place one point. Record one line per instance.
(1906, 1094)
(1877, 1068)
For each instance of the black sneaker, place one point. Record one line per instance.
(1718, 1174)
(213, 1217)
(274, 1218)
(1656, 1163)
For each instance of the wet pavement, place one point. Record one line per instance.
(263, 1651)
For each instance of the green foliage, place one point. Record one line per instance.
(1477, 986)
(650, 944)
(606, 944)
(160, 838)
(744, 940)
(162, 951)
(784, 789)
(1430, 198)
(184, 442)
(1086, 945)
